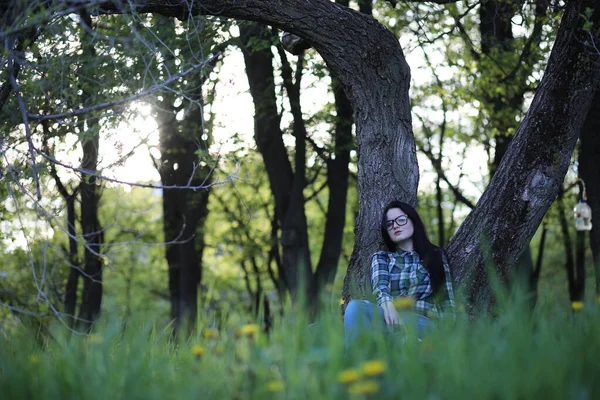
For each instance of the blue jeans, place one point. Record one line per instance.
(362, 316)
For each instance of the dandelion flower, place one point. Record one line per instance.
(577, 305)
(250, 330)
(210, 333)
(364, 388)
(275, 386)
(374, 367)
(95, 339)
(34, 359)
(198, 350)
(427, 345)
(404, 303)
(348, 376)
(341, 302)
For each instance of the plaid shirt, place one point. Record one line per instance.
(403, 274)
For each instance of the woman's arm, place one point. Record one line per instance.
(380, 279)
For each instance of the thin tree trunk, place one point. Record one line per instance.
(92, 233)
(440, 212)
(70, 301)
(568, 246)
(91, 299)
(337, 181)
(535, 276)
(286, 186)
(589, 171)
(70, 298)
(184, 211)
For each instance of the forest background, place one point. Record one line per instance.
(133, 181)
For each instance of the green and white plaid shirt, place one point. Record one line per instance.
(403, 274)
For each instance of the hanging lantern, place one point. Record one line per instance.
(583, 216)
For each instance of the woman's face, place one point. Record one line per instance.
(400, 228)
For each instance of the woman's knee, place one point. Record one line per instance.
(354, 310)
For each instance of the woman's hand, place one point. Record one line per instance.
(390, 314)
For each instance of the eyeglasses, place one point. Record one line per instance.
(400, 221)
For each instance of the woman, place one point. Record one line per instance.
(411, 268)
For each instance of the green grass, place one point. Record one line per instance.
(514, 356)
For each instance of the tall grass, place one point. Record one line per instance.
(514, 355)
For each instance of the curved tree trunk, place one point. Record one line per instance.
(531, 173)
(370, 65)
(368, 61)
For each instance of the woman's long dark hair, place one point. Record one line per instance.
(429, 253)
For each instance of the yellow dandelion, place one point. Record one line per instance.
(374, 367)
(577, 305)
(198, 350)
(404, 303)
(275, 386)
(95, 339)
(427, 345)
(34, 359)
(364, 387)
(348, 376)
(210, 333)
(341, 302)
(250, 330)
(219, 350)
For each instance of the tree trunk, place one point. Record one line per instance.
(70, 298)
(184, 210)
(337, 181)
(589, 171)
(287, 186)
(503, 106)
(370, 64)
(567, 245)
(294, 226)
(269, 141)
(91, 298)
(530, 176)
(70, 301)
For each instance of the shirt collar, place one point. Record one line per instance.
(404, 253)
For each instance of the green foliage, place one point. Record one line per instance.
(587, 15)
(514, 356)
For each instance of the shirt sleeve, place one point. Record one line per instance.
(448, 303)
(380, 278)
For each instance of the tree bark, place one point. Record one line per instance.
(70, 297)
(370, 64)
(337, 181)
(532, 171)
(497, 39)
(269, 141)
(184, 210)
(294, 226)
(93, 234)
(91, 298)
(589, 171)
(567, 245)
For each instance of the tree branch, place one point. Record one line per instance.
(111, 104)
